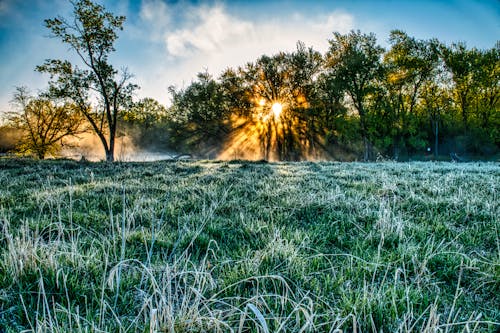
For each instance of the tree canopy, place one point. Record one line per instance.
(416, 98)
(356, 101)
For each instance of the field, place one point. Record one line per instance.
(204, 246)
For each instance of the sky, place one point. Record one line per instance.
(167, 43)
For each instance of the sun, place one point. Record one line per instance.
(277, 108)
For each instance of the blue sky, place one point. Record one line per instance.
(167, 42)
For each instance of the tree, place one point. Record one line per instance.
(287, 80)
(43, 123)
(462, 65)
(435, 101)
(410, 63)
(146, 123)
(488, 93)
(98, 90)
(269, 78)
(147, 112)
(354, 60)
(200, 112)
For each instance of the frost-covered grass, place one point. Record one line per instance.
(249, 247)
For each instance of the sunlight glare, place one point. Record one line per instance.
(277, 108)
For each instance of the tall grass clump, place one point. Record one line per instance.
(202, 246)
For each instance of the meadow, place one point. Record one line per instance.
(207, 246)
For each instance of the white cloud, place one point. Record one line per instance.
(336, 21)
(155, 11)
(212, 30)
(182, 40)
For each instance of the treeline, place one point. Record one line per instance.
(356, 101)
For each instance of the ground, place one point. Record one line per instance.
(195, 246)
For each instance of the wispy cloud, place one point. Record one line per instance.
(210, 30)
(157, 16)
(202, 37)
(168, 43)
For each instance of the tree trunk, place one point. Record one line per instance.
(465, 116)
(110, 156)
(436, 138)
(364, 133)
(108, 151)
(367, 145)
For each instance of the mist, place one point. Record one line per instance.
(89, 147)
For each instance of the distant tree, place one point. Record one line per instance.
(269, 77)
(98, 90)
(147, 112)
(43, 124)
(238, 92)
(329, 95)
(462, 63)
(306, 65)
(410, 63)
(199, 112)
(146, 123)
(287, 79)
(329, 99)
(488, 91)
(436, 100)
(354, 61)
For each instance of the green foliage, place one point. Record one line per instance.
(356, 100)
(146, 122)
(199, 113)
(354, 60)
(410, 65)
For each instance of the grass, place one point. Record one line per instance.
(249, 247)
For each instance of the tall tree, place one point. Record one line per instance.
(99, 90)
(354, 60)
(488, 93)
(410, 64)
(43, 124)
(287, 80)
(436, 100)
(200, 112)
(462, 65)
